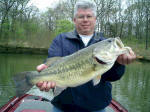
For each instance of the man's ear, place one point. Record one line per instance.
(74, 20)
(95, 19)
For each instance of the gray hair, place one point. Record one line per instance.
(85, 4)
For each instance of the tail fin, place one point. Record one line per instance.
(22, 82)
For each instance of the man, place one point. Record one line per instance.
(84, 98)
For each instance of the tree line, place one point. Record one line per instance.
(22, 22)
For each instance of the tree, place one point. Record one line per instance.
(63, 26)
(6, 6)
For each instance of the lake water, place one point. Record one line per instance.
(132, 91)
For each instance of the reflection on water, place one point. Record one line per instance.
(10, 64)
(132, 91)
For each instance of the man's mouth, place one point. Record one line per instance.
(85, 25)
(100, 61)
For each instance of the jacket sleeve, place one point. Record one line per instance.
(55, 48)
(115, 73)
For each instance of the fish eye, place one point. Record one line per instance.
(109, 41)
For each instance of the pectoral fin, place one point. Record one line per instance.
(96, 80)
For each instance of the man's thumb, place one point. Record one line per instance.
(41, 67)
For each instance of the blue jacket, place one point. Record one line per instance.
(86, 97)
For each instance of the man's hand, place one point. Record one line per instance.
(125, 59)
(44, 85)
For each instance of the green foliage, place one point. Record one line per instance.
(31, 27)
(63, 26)
(23, 25)
(137, 45)
(5, 30)
(18, 31)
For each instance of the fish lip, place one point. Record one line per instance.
(119, 43)
(100, 61)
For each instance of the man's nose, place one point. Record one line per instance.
(85, 18)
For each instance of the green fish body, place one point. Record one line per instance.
(82, 66)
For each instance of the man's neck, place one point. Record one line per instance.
(85, 33)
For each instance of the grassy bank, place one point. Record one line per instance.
(40, 45)
(138, 47)
(34, 44)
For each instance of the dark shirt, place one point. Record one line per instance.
(84, 98)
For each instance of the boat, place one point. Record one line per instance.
(33, 103)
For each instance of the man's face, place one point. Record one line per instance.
(85, 21)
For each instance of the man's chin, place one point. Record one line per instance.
(85, 32)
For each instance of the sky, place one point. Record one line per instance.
(43, 4)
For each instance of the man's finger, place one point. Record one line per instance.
(53, 84)
(125, 59)
(39, 84)
(41, 67)
(42, 88)
(48, 86)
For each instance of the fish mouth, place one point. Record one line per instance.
(100, 61)
(119, 43)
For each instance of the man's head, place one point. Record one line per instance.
(85, 16)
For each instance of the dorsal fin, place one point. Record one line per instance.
(50, 61)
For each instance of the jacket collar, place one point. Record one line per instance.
(74, 35)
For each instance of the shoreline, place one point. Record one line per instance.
(44, 51)
(23, 50)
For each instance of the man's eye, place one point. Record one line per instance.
(81, 17)
(89, 16)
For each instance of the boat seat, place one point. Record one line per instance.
(34, 106)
